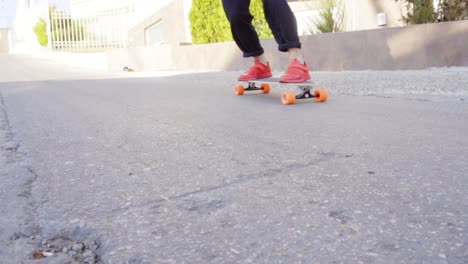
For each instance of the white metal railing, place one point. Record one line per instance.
(108, 29)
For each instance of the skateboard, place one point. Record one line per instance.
(287, 97)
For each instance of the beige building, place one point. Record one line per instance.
(148, 23)
(169, 23)
(355, 14)
(365, 14)
(152, 23)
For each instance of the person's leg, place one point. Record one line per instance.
(246, 38)
(283, 25)
(243, 32)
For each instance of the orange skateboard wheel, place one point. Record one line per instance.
(288, 98)
(321, 95)
(239, 89)
(265, 88)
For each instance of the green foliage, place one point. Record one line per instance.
(452, 10)
(64, 28)
(420, 12)
(40, 29)
(331, 17)
(208, 22)
(67, 29)
(422, 15)
(259, 21)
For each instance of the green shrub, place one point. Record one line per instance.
(453, 10)
(67, 29)
(420, 12)
(259, 21)
(64, 27)
(208, 22)
(330, 16)
(40, 29)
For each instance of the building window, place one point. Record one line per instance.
(154, 34)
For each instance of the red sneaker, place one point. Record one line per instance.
(296, 73)
(257, 71)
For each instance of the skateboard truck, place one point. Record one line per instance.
(287, 97)
(305, 93)
(252, 87)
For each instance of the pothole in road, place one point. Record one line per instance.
(65, 250)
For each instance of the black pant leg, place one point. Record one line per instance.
(282, 23)
(245, 36)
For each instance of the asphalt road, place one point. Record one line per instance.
(174, 168)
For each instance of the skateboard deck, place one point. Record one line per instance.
(287, 97)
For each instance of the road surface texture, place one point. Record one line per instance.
(133, 168)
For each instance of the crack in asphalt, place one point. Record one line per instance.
(8, 144)
(6, 123)
(27, 232)
(239, 179)
(28, 184)
(29, 227)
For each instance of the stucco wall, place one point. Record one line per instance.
(4, 40)
(358, 14)
(404, 48)
(362, 14)
(173, 25)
